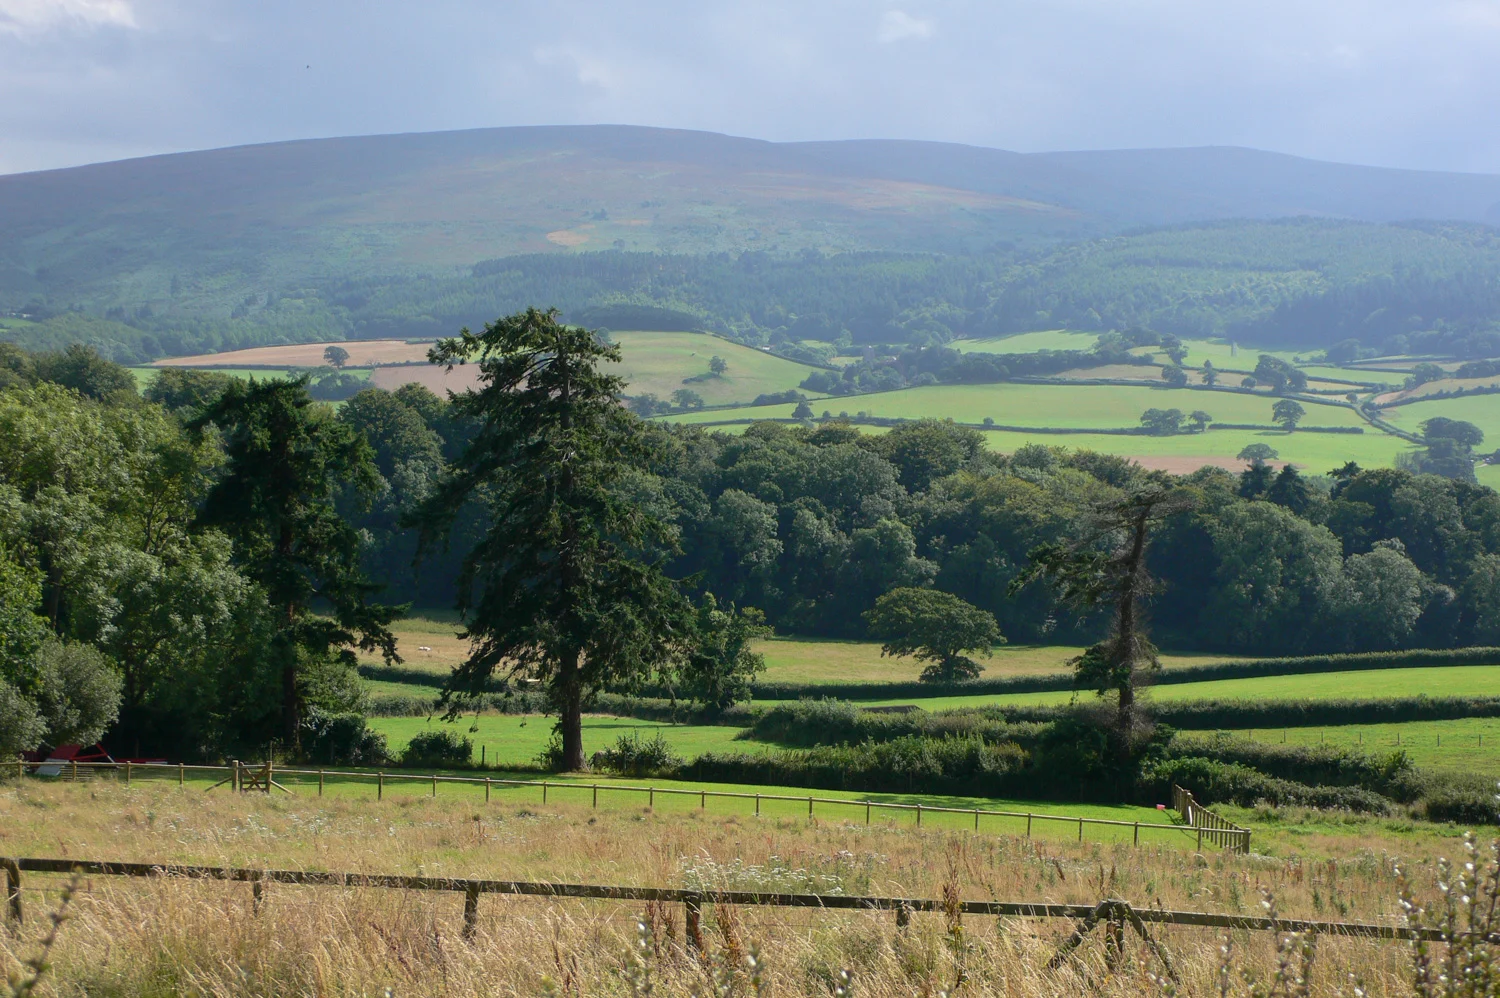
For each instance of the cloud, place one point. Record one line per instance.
(897, 25)
(26, 17)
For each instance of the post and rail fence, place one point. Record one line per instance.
(1116, 913)
(1210, 826)
(262, 778)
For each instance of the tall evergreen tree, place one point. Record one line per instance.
(567, 584)
(1106, 565)
(288, 460)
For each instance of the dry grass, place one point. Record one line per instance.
(148, 938)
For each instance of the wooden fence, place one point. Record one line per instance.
(262, 778)
(1114, 912)
(1210, 827)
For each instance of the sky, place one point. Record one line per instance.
(1404, 83)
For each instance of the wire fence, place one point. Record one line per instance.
(268, 778)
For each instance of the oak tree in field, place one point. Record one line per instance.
(1200, 420)
(686, 398)
(336, 356)
(567, 584)
(936, 627)
(1210, 373)
(1105, 565)
(717, 365)
(1257, 453)
(1162, 422)
(1288, 414)
(287, 462)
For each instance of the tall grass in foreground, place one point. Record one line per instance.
(195, 938)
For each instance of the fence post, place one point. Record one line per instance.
(127, 771)
(471, 910)
(919, 815)
(380, 785)
(21, 770)
(1028, 824)
(651, 798)
(320, 783)
(596, 795)
(257, 894)
(976, 819)
(867, 812)
(434, 784)
(544, 791)
(702, 800)
(692, 906)
(181, 774)
(1137, 833)
(1080, 829)
(903, 915)
(486, 789)
(1200, 838)
(757, 805)
(75, 770)
(809, 807)
(12, 890)
(270, 766)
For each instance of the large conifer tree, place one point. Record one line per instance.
(566, 586)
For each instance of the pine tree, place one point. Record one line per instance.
(567, 583)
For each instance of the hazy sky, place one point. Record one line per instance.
(1411, 83)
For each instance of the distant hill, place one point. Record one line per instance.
(296, 240)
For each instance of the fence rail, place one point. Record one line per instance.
(1210, 826)
(262, 778)
(692, 899)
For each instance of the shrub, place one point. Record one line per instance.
(632, 755)
(1212, 782)
(1463, 801)
(341, 739)
(439, 749)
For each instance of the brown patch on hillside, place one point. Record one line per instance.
(362, 353)
(1179, 464)
(436, 379)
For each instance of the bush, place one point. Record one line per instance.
(341, 739)
(1212, 782)
(633, 755)
(441, 749)
(1390, 774)
(913, 763)
(1462, 801)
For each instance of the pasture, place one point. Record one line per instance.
(788, 660)
(1062, 406)
(1481, 410)
(1464, 745)
(1437, 681)
(174, 936)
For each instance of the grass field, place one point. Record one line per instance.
(1481, 410)
(1313, 452)
(172, 936)
(1048, 339)
(1465, 745)
(1438, 681)
(515, 740)
(658, 363)
(1065, 406)
(788, 660)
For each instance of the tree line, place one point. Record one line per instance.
(208, 556)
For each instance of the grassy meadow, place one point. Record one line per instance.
(172, 937)
(1437, 681)
(658, 362)
(1462, 745)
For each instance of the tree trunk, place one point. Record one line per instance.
(1126, 624)
(570, 719)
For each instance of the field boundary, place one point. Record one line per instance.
(692, 899)
(262, 778)
(1220, 831)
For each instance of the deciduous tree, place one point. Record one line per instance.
(935, 627)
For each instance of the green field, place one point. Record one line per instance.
(1481, 410)
(1064, 406)
(1050, 339)
(683, 797)
(1470, 744)
(1346, 374)
(144, 375)
(657, 363)
(1435, 681)
(515, 739)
